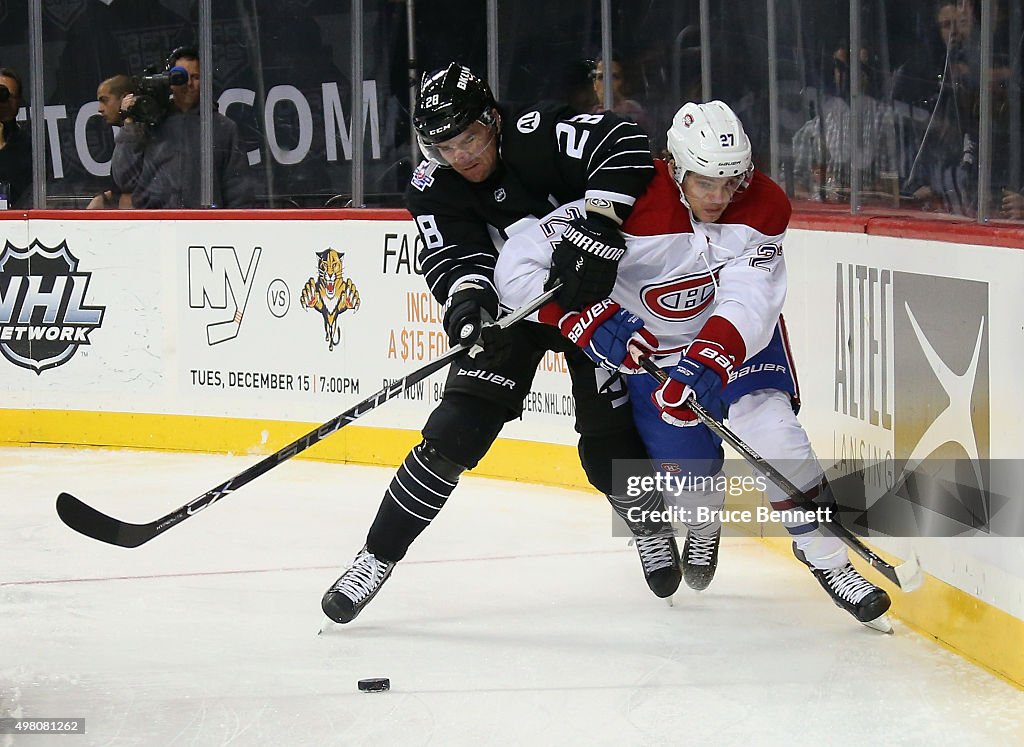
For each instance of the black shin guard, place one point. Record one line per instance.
(455, 437)
(416, 494)
(643, 514)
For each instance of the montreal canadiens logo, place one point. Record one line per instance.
(680, 299)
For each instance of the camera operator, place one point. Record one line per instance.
(156, 157)
(15, 143)
(109, 95)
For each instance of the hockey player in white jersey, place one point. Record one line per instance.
(704, 269)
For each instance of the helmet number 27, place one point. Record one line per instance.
(728, 139)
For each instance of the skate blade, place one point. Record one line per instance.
(881, 623)
(669, 600)
(909, 573)
(326, 626)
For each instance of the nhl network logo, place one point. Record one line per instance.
(43, 316)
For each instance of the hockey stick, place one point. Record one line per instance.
(92, 523)
(907, 576)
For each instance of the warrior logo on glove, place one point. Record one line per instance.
(586, 260)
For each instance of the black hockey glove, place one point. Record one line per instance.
(469, 319)
(492, 349)
(470, 307)
(585, 260)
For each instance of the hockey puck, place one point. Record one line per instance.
(375, 685)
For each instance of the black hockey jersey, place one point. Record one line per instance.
(549, 155)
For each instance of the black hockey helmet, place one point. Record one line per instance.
(449, 101)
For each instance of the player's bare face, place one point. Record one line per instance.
(709, 196)
(473, 153)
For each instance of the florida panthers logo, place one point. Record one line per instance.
(330, 293)
(680, 299)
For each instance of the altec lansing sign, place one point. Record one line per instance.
(912, 366)
(912, 359)
(43, 315)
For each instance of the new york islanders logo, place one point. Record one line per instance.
(43, 316)
(330, 293)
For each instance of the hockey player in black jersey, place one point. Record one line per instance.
(490, 171)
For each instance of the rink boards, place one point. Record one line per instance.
(123, 330)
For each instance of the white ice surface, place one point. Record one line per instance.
(515, 619)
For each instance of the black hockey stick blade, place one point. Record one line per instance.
(907, 576)
(92, 523)
(86, 520)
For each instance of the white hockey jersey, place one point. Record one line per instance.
(677, 272)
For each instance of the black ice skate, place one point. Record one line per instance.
(356, 587)
(700, 558)
(659, 556)
(853, 593)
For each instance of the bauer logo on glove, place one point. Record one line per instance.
(605, 332)
(701, 374)
(580, 324)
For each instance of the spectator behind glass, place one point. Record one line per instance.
(109, 95)
(621, 103)
(15, 143)
(940, 84)
(822, 146)
(1007, 193)
(159, 164)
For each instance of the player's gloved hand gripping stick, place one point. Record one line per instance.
(907, 576)
(92, 523)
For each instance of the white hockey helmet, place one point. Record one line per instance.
(709, 140)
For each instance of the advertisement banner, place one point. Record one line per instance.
(286, 320)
